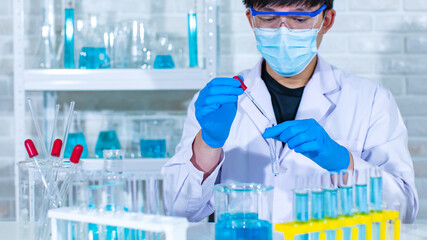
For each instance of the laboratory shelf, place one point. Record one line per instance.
(114, 79)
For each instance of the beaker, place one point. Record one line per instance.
(155, 137)
(243, 211)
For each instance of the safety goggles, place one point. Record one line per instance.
(292, 20)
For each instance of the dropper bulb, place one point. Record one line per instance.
(31, 148)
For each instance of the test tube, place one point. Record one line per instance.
(330, 189)
(346, 196)
(301, 203)
(317, 202)
(376, 198)
(362, 179)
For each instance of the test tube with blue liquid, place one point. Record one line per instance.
(114, 189)
(346, 197)
(330, 189)
(69, 35)
(301, 200)
(376, 198)
(362, 207)
(95, 201)
(192, 36)
(317, 202)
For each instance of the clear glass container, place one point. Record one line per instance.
(155, 137)
(243, 211)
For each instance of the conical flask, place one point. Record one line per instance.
(75, 137)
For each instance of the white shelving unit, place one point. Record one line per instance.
(51, 80)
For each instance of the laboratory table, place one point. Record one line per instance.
(206, 231)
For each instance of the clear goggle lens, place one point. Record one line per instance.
(292, 22)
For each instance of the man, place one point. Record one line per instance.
(325, 119)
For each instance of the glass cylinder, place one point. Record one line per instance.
(243, 211)
(113, 160)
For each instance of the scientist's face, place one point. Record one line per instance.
(328, 17)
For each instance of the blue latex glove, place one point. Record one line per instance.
(216, 108)
(311, 140)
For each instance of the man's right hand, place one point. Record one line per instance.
(216, 108)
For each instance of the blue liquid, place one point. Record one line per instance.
(331, 203)
(362, 206)
(153, 148)
(69, 38)
(376, 193)
(376, 201)
(74, 139)
(242, 226)
(317, 212)
(317, 205)
(94, 58)
(301, 211)
(331, 209)
(163, 62)
(107, 140)
(346, 194)
(362, 198)
(192, 39)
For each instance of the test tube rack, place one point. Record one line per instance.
(175, 228)
(292, 229)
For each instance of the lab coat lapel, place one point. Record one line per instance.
(315, 102)
(260, 93)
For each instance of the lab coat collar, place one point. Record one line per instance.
(314, 102)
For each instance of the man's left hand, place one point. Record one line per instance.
(311, 140)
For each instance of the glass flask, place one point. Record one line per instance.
(163, 59)
(243, 211)
(45, 51)
(156, 137)
(107, 138)
(93, 54)
(76, 136)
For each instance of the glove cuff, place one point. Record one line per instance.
(210, 142)
(344, 159)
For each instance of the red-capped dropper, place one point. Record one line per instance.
(248, 94)
(74, 159)
(56, 148)
(32, 153)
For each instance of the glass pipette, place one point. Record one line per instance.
(271, 144)
(248, 94)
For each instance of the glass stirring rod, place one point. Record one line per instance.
(271, 144)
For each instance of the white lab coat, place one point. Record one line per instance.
(357, 113)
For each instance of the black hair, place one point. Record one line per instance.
(277, 3)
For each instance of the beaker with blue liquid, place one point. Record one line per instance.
(155, 137)
(243, 211)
